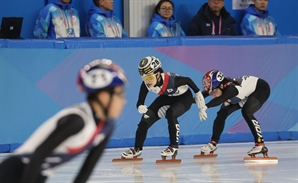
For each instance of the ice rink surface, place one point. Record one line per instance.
(228, 166)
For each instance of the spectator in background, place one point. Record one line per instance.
(212, 19)
(163, 22)
(57, 19)
(103, 22)
(257, 20)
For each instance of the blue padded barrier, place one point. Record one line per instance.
(120, 43)
(39, 66)
(77, 43)
(8, 148)
(191, 139)
(204, 138)
(35, 43)
(3, 43)
(293, 39)
(229, 40)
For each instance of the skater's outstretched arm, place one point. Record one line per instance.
(91, 161)
(229, 92)
(180, 80)
(142, 94)
(66, 127)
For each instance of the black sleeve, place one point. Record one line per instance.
(91, 161)
(194, 29)
(205, 94)
(180, 80)
(142, 94)
(233, 31)
(66, 127)
(230, 92)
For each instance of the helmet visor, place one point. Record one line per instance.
(148, 77)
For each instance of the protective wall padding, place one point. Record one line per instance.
(38, 78)
(184, 140)
(77, 43)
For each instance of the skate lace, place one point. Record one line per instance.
(131, 151)
(254, 148)
(212, 145)
(169, 149)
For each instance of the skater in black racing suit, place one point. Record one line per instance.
(75, 129)
(247, 93)
(175, 98)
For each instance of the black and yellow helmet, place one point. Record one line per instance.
(149, 65)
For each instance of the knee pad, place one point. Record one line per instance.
(248, 111)
(149, 118)
(175, 111)
(251, 106)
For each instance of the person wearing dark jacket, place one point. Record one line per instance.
(212, 19)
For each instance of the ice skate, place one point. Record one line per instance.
(260, 148)
(208, 150)
(130, 154)
(169, 151)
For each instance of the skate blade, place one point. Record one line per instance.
(263, 160)
(205, 156)
(168, 161)
(127, 159)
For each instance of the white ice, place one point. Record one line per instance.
(227, 167)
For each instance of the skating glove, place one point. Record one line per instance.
(202, 113)
(142, 109)
(199, 98)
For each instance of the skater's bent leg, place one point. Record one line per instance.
(143, 126)
(219, 122)
(251, 106)
(172, 114)
(11, 170)
(254, 102)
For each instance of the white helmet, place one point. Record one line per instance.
(149, 65)
(100, 74)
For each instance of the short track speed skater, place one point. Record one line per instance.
(207, 151)
(259, 148)
(169, 152)
(130, 155)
